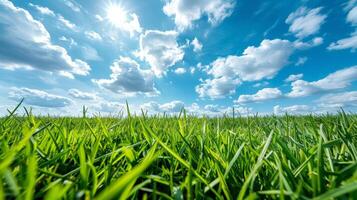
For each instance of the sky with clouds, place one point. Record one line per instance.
(207, 56)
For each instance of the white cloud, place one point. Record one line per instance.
(338, 100)
(197, 45)
(306, 45)
(211, 110)
(92, 35)
(89, 53)
(170, 107)
(261, 95)
(352, 16)
(160, 50)
(43, 10)
(256, 63)
(192, 70)
(264, 83)
(218, 87)
(187, 11)
(337, 80)
(295, 109)
(110, 107)
(38, 98)
(60, 18)
(23, 34)
(345, 43)
(180, 70)
(75, 93)
(70, 41)
(129, 79)
(72, 5)
(305, 22)
(349, 42)
(301, 61)
(67, 23)
(294, 77)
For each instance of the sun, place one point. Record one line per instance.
(116, 15)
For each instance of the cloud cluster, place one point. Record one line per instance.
(75, 93)
(129, 79)
(305, 22)
(160, 49)
(92, 35)
(338, 100)
(292, 110)
(43, 10)
(25, 43)
(256, 63)
(336, 80)
(349, 42)
(187, 11)
(261, 95)
(197, 45)
(294, 77)
(39, 98)
(174, 107)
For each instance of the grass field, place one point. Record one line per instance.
(182, 157)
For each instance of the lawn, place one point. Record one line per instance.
(178, 157)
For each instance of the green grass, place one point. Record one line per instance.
(182, 157)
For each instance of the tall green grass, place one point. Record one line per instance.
(178, 157)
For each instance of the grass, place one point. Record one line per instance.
(178, 157)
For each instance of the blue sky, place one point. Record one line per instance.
(207, 56)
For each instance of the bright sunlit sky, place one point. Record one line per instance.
(205, 55)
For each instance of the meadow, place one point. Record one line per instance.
(178, 157)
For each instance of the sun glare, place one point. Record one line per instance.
(116, 15)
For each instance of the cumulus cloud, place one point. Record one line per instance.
(309, 44)
(261, 95)
(92, 35)
(337, 80)
(197, 45)
(43, 10)
(75, 93)
(305, 22)
(351, 41)
(180, 70)
(110, 107)
(256, 63)
(128, 78)
(187, 11)
(176, 106)
(173, 106)
(38, 98)
(46, 11)
(338, 100)
(160, 49)
(294, 77)
(217, 87)
(352, 16)
(69, 41)
(295, 109)
(22, 34)
(68, 24)
(170, 107)
(72, 5)
(345, 43)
